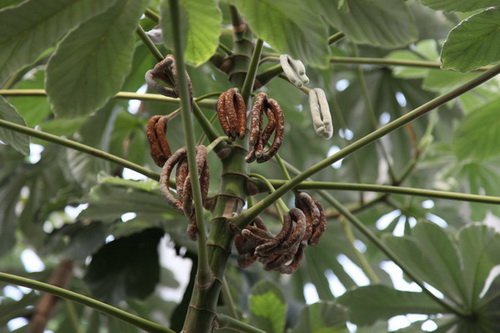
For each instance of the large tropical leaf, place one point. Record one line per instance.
(79, 83)
(382, 23)
(375, 302)
(459, 5)
(33, 26)
(473, 43)
(20, 142)
(289, 26)
(477, 135)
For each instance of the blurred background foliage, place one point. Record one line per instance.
(129, 249)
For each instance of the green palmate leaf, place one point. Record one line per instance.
(430, 253)
(481, 178)
(368, 304)
(323, 317)
(20, 142)
(383, 23)
(30, 28)
(267, 306)
(479, 246)
(127, 267)
(202, 21)
(478, 134)
(446, 80)
(459, 5)
(10, 190)
(289, 26)
(474, 42)
(92, 62)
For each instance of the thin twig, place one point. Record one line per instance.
(112, 311)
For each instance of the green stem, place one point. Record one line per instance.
(248, 84)
(393, 62)
(153, 16)
(149, 44)
(365, 265)
(214, 143)
(226, 321)
(228, 299)
(335, 37)
(282, 166)
(112, 311)
(269, 74)
(204, 276)
(206, 103)
(205, 124)
(368, 139)
(80, 147)
(312, 185)
(281, 205)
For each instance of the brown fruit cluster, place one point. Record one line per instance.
(302, 226)
(162, 155)
(158, 145)
(183, 202)
(166, 71)
(259, 136)
(232, 113)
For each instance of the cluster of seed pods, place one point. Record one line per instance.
(231, 111)
(163, 157)
(302, 226)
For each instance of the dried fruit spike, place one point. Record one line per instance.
(320, 113)
(294, 70)
(231, 111)
(258, 137)
(158, 145)
(278, 134)
(166, 71)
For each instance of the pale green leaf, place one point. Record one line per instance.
(368, 304)
(267, 306)
(92, 62)
(438, 80)
(10, 191)
(322, 317)
(474, 42)
(459, 5)
(480, 178)
(289, 26)
(478, 134)
(431, 254)
(202, 21)
(480, 246)
(20, 142)
(382, 23)
(33, 26)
